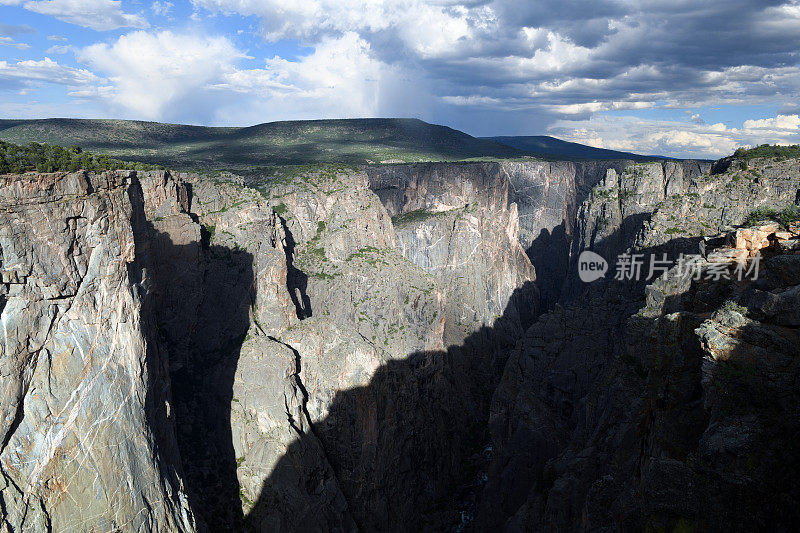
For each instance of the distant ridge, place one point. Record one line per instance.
(350, 141)
(347, 141)
(546, 146)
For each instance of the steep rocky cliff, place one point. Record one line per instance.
(392, 348)
(662, 404)
(247, 312)
(88, 440)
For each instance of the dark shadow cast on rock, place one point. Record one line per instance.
(196, 304)
(410, 451)
(296, 279)
(623, 448)
(407, 450)
(549, 254)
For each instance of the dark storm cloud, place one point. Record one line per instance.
(789, 109)
(585, 22)
(684, 52)
(708, 35)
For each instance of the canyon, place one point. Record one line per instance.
(398, 347)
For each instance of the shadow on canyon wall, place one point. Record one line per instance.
(198, 304)
(409, 451)
(407, 447)
(203, 388)
(549, 254)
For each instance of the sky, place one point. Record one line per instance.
(681, 78)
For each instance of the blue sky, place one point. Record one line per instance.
(684, 78)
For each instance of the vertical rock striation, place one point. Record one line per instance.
(87, 435)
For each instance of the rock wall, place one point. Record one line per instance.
(655, 404)
(87, 425)
(545, 198)
(366, 352)
(393, 348)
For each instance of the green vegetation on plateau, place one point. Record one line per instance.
(53, 158)
(768, 151)
(356, 141)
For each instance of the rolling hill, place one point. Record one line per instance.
(348, 141)
(351, 141)
(549, 147)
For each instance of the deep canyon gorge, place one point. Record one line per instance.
(402, 347)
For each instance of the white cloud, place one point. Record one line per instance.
(44, 71)
(573, 60)
(487, 66)
(161, 8)
(8, 41)
(157, 75)
(59, 49)
(341, 74)
(293, 19)
(193, 77)
(780, 124)
(428, 28)
(98, 15)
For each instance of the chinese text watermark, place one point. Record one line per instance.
(637, 267)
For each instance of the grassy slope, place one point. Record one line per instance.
(552, 147)
(276, 143)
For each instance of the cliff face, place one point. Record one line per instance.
(365, 291)
(545, 198)
(442, 217)
(398, 347)
(209, 329)
(87, 428)
(660, 403)
(549, 196)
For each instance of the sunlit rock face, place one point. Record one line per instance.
(88, 437)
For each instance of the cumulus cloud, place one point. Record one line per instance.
(781, 123)
(98, 15)
(160, 75)
(194, 77)
(486, 66)
(562, 60)
(341, 78)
